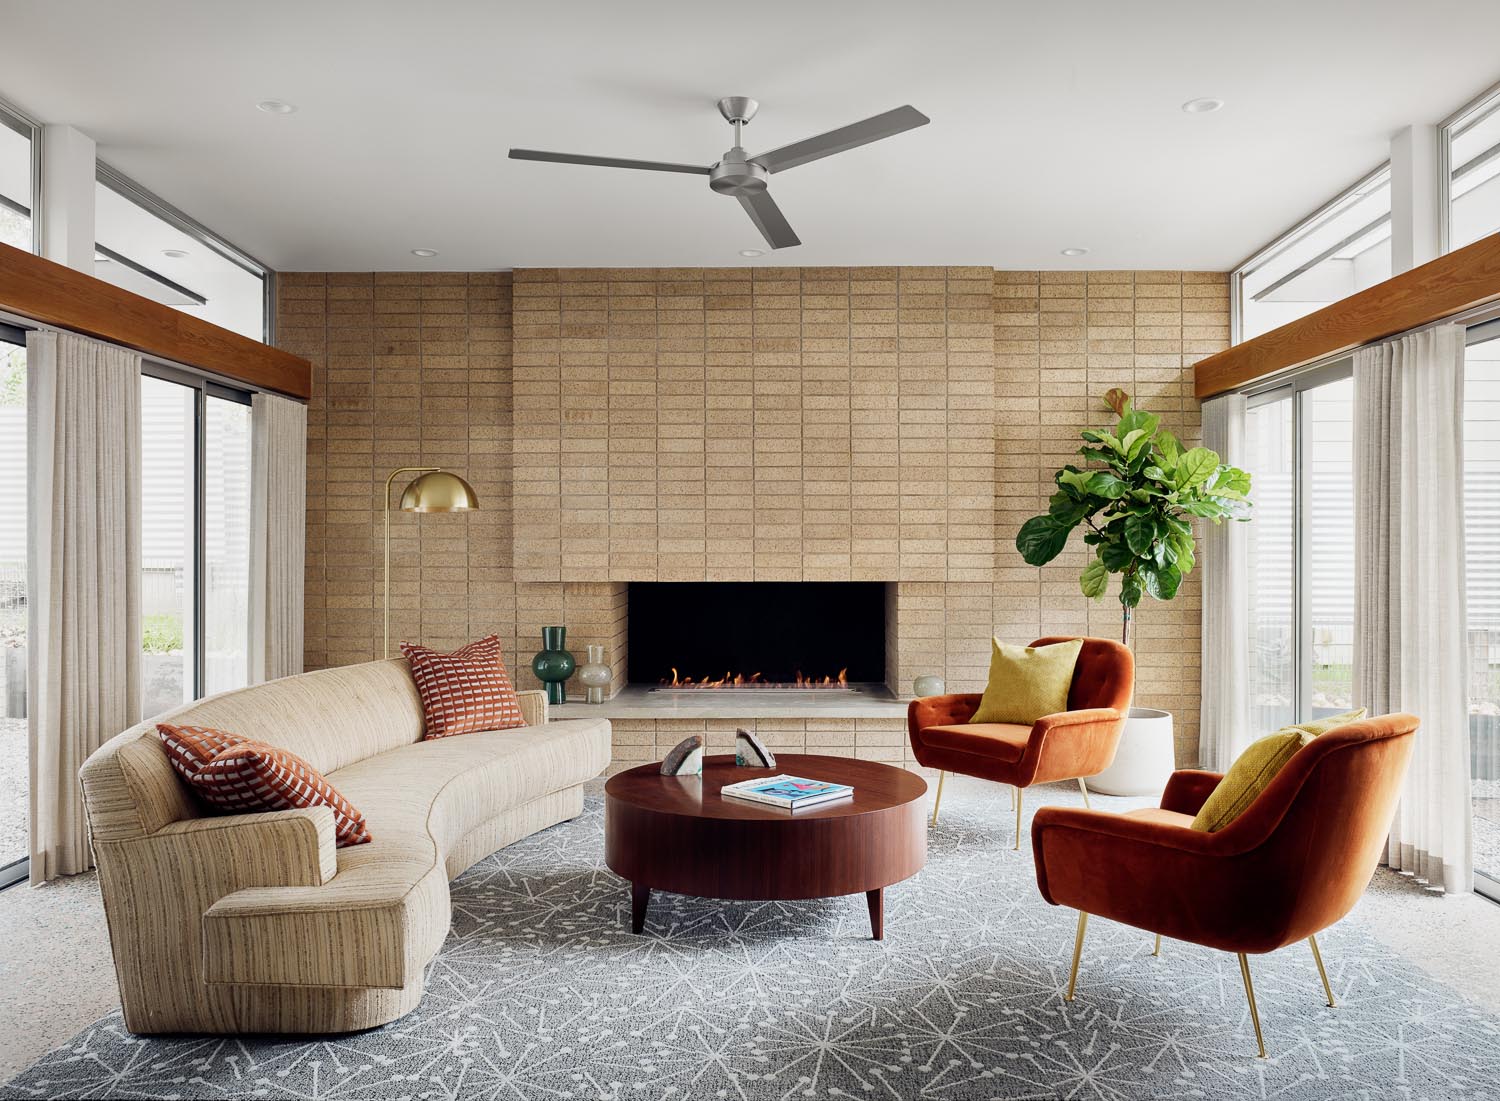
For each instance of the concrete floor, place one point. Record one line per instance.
(57, 975)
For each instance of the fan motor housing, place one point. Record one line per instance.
(734, 175)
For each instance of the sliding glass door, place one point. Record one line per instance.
(195, 539)
(1299, 452)
(14, 769)
(1482, 588)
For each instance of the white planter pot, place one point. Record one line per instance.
(1145, 758)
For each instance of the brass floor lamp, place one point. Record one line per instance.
(433, 490)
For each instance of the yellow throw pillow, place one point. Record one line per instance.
(1027, 682)
(1254, 769)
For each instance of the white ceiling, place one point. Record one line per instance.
(1054, 124)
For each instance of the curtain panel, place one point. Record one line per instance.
(278, 534)
(1410, 642)
(1225, 663)
(83, 419)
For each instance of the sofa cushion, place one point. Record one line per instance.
(385, 911)
(190, 749)
(465, 691)
(1001, 741)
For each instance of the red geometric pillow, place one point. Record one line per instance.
(244, 777)
(466, 690)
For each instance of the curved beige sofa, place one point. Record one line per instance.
(257, 923)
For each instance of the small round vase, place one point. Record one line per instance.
(553, 665)
(594, 675)
(928, 685)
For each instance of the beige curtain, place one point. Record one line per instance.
(1225, 667)
(84, 514)
(278, 510)
(1410, 643)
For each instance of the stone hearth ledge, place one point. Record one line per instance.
(635, 702)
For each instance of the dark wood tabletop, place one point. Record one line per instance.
(678, 833)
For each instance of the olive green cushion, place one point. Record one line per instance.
(1027, 682)
(1254, 769)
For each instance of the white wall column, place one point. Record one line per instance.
(68, 197)
(1414, 198)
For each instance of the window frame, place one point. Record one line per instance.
(1489, 98)
(203, 386)
(122, 185)
(1291, 387)
(1281, 242)
(13, 118)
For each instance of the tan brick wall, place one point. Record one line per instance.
(732, 424)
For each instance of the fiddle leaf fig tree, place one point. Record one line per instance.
(1135, 500)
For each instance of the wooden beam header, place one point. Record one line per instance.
(56, 295)
(1449, 285)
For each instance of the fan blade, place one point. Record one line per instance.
(842, 139)
(769, 220)
(606, 162)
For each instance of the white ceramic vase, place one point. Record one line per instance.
(1145, 759)
(594, 675)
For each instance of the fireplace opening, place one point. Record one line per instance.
(756, 634)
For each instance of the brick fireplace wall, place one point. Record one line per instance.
(891, 424)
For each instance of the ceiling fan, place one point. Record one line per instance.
(746, 177)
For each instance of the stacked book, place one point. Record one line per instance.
(787, 792)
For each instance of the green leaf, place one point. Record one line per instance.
(1196, 466)
(1170, 449)
(1078, 479)
(1140, 533)
(1069, 511)
(1162, 583)
(1094, 580)
(1130, 590)
(1041, 539)
(1115, 555)
(1102, 483)
(1129, 440)
(1137, 420)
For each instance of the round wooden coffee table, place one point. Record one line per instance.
(677, 833)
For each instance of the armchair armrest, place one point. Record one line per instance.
(1188, 789)
(533, 706)
(1069, 744)
(284, 848)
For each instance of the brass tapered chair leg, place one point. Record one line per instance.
(1157, 950)
(938, 802)
(1260, 1041)
(1083, 921)
(1084, 788)
(1013, 790)
(1018, 818)
(1318, 956)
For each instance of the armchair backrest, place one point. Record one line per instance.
(1318, 830)
(1104, 675)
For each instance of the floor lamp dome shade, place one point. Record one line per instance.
(432, 490)
(438, 491)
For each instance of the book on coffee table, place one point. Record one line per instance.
(787, 792)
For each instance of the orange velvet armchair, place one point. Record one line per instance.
(1069, 745)
(1295, 862)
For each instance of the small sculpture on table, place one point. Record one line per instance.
(686, 758)
(749, 752)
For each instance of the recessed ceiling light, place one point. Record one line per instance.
(1075, 252)
(424, 252)
(173, 253)
(752, 253)
(1204, 105)
(275, 107)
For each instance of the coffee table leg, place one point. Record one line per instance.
(640, 895)
(876, 900)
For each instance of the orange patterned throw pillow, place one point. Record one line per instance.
(466, 690)
(237, 775)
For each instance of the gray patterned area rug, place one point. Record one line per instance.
(542, 993)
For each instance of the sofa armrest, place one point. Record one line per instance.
(284, 848)
(533, 706)
(1188, 789)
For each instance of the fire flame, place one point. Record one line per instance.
(755, 680)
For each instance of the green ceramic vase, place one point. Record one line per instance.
(553, 665)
